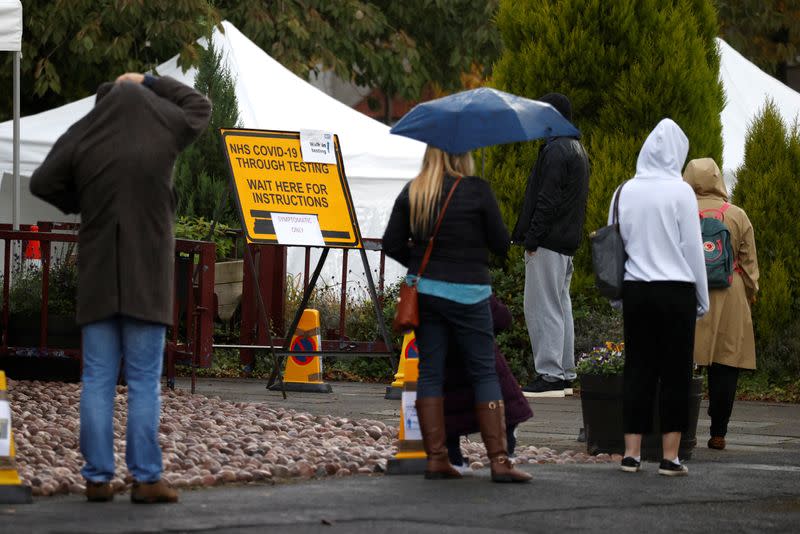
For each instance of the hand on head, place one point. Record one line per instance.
(133, 77)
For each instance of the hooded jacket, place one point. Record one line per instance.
(725, 334)
(658, 216)
(114, 167)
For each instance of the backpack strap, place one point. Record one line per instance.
(721, 210)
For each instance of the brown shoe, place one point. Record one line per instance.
(492, 420)
(430, 412)
(99, 491)
(153, 492)
(716, 442)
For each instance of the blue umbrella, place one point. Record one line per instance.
(481, 117)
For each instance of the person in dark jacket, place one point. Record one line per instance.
(550, 227)
(114, 167)
(453, 298)
(459, 396)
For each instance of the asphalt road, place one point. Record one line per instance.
(753, 486)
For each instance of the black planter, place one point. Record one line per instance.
(62, 331)
(601, 404)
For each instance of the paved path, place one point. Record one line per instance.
(754, 486)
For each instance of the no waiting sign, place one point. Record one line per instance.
(285, 200)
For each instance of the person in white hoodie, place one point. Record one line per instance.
(664, 292)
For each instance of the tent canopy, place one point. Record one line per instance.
(10, 26)
(746, 89)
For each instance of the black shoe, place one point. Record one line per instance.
(542, 388)
(630, 464)
(567, 387)
(671, 469)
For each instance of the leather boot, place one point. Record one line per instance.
(153, 492)
(430, 412)
(492, 420)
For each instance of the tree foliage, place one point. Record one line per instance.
(397, 47)
(767, 189)
(767, 32)
(621, 66)
(71, 46)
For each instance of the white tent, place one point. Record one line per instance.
(746, 89)
(377, 163)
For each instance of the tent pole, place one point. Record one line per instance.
(15, 157)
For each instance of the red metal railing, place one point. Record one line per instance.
(190, 340)
(46, 238)
(191, 335)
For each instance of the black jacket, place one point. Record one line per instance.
(472, 226)
(114, 167)
(554, 208)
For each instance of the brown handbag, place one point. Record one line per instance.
(406, 317)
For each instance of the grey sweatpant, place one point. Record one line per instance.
(548, 314)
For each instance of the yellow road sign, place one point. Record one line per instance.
(285, 200)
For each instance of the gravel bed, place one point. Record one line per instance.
(207, 441)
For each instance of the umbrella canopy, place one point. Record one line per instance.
(481, 117)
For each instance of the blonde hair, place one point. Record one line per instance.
(425, 190)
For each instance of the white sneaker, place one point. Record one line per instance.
(553, 393)
(463, 469)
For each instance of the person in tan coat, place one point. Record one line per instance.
(724, 341)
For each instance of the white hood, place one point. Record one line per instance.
(663, 152)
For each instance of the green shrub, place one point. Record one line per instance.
(25, 292)
(198, 229)
(624, 66)
(201, 171)
(767, 189)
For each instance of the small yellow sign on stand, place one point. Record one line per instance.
(285, 199)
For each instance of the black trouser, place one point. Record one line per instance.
(722, 381)
(659, 322)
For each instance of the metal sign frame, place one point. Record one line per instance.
(280, 355)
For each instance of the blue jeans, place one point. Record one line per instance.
(468, 327)
(104, 344)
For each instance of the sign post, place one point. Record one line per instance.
(291, 189)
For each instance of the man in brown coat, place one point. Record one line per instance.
(114, 167)
(724, 341)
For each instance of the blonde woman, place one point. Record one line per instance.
(454, 296)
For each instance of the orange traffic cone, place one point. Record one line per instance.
(12, 490)
(304, 373)
(33, 250)
(410, 458)
(395, 391)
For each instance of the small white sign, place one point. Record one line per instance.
(297, 229)
(317, 146)
(411, 429)
(5, 429)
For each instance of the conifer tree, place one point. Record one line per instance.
(767, 189)
(624, 66)
(201, 172)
